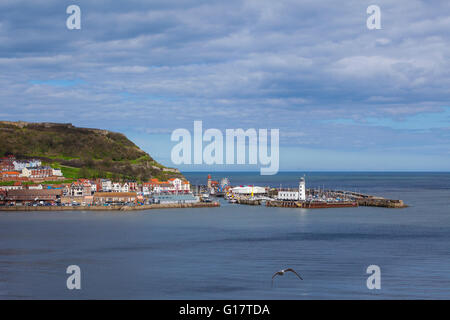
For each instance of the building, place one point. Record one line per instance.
(40, 172)
(148, 187)
(294, 195)
(6, 166)
(101, 198)
(152, 186)
(287, 195)
(36, 173)
(57, 172)
(19, 165)
(178, 185)
(9, 175)
(132, 186)
(175, 198)
(23, 197)
(173, 185)
(25, 173)
(106, 185)
(116, 187)
(16, 186)
(80, 188)
(163, 187)
(120, 187)
(248, 190)
(35, 187)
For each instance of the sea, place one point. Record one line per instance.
(232, 252)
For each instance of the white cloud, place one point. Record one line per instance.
(127, 69)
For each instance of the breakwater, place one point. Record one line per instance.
(385, 203)
(368, 202)
(114, 208)
(310, 204)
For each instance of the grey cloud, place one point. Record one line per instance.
(286, 64)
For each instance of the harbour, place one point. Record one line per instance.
(151, 195)
(300, 197)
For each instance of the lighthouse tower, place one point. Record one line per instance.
(302, 190)
(209, 182)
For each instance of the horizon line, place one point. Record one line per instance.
(365, 171)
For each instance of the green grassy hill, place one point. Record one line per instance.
(81, 152)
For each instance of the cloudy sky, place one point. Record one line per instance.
(344, 97)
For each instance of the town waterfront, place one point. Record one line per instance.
(231, 252)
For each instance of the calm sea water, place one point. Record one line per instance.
(231, 252)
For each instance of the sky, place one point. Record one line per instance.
(343, 97)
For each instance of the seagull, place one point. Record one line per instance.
(282, 272)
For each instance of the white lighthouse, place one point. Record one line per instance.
(302, 189)
(294, 195)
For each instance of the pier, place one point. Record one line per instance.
(322, 199)
(385, 203)
(310, 204)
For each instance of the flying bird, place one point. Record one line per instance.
(282, 272)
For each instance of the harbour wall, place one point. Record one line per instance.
(310, 205)
(249, 202)
(114, 208)
(385, 203)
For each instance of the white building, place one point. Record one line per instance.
(287, 195)
(7, 188)
(25, 173)
(40, 172)
(294, 195)
(176, 198)
(179, 185)
(35, 187)
(106, 185)
(125, 187)
(80, 188)
(57, 172)
(118, 187)
(248, 190)
(19, 165)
